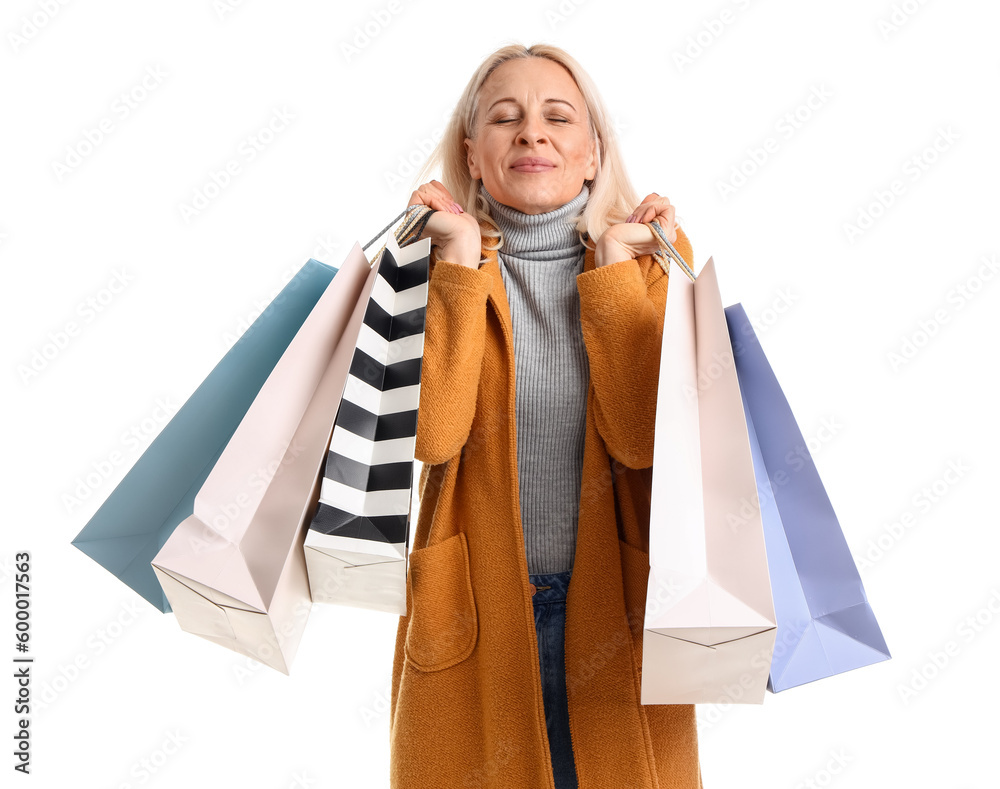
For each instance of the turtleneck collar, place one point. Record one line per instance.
(547, 236)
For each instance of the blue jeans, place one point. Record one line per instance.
(549, 602)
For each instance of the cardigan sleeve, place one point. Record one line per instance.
(454, 338)
(621, 313)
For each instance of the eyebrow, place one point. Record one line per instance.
(547, 101)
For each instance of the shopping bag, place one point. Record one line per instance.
(356, 546)
(158, 492)
(709, 624)
(234, 570)
(825, 624)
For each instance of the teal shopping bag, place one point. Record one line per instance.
(158, 492)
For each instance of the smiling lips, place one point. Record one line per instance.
(532, 164)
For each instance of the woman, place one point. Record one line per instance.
(518, 663)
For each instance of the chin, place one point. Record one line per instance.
(534, 204)
(526, 202)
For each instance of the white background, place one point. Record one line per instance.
(832, 308)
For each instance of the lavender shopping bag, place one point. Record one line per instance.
(825, 624)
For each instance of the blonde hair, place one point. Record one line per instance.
(612, 196)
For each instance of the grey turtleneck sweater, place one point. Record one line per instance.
(539, 261)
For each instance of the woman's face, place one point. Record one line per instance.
(531, 109)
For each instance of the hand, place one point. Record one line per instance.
(455, 233)
(630, 239)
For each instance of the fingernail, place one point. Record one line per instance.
(458, 208)
(631, 218)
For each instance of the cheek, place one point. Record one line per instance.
(494, 153)
(485, 160)
(581, 151)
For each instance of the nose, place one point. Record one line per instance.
(533, 131)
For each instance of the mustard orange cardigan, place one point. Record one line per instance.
(466, 700)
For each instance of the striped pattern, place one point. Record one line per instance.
(368, 474)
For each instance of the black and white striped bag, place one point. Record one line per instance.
(356, 546)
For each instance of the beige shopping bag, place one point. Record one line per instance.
(709, 625)
(234, 571)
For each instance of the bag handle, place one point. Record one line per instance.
(414, 224)
(668, 250)
(417, 216)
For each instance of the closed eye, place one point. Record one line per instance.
(513, 120)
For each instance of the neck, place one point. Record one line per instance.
(549, 236)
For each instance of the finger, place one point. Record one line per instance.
(435, 195)
(640, 209)
(447, 201)
(667, 220)
(666, 214)
(646, 213)
(422, 195)
(647, 209)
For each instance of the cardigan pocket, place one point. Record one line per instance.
(443, 623)
(635, 577)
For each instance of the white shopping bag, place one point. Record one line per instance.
(709, 626)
